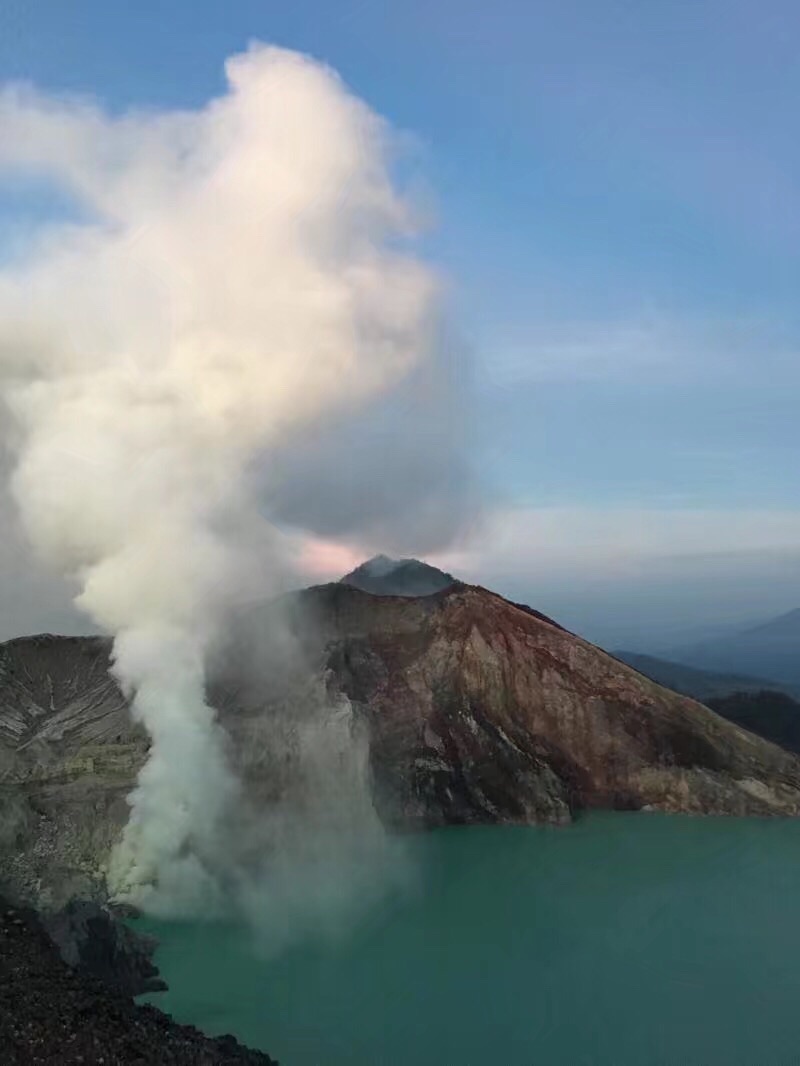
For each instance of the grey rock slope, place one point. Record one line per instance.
(69, 752)
(477, 710)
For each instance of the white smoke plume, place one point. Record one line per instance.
(232, 276)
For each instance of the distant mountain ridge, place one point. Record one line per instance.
(700, 684)
(770, 649)
(383, 576)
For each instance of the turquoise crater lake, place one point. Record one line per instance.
(625, 940)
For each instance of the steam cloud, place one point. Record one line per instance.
(233, 278)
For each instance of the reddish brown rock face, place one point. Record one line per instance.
(476, 710)
(482, 711)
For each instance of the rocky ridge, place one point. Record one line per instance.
(484, 711)
(477, 711)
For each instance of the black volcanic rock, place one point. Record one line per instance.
(53, 1015)
(92, 939)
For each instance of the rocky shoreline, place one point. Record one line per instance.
(60, 1014)
(95, 940)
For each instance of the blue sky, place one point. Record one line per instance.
(617, 200)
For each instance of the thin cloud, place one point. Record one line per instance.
(534, 541)
(658, 348)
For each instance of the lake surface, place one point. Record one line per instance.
(625, 940)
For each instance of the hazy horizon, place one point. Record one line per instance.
(654, 616)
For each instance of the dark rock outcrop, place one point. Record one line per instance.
(94, 940)
(53, 1014)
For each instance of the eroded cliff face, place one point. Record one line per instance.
(477, 710)
(69, 753)
(482, 711)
